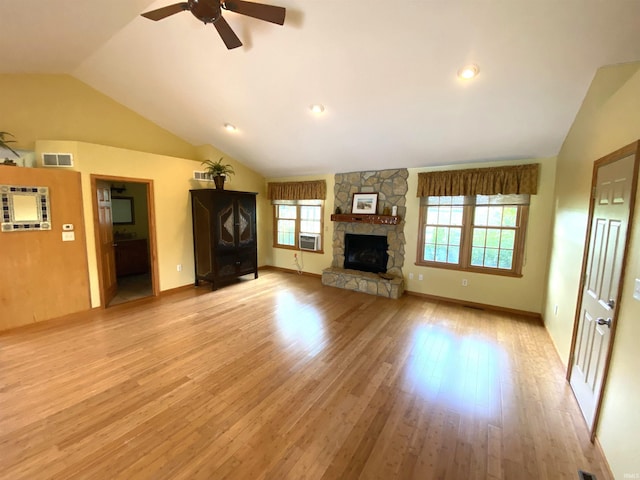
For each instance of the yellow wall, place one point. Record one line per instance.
(57, 113)
(60, 107)
(608, 120)
(310, 262)
(172, 180)
(525, 293)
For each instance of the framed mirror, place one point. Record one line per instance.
(24, 208)
(122, 211)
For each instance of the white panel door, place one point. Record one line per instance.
(600, 292)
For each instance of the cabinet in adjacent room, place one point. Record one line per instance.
(224, 235)
(132, 257)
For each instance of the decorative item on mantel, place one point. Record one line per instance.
(4, 144)
(218, 171)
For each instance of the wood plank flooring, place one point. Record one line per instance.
(282, 378)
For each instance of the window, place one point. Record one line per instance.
(295, 217)
(474, 233)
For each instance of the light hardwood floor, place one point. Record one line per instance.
(282, 378)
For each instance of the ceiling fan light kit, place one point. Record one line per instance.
(210, 11)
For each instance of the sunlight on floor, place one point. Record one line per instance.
(462, 372)
(299, 324)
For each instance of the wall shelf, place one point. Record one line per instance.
(360, 218)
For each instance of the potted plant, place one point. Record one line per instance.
(218, 171)
(4, 143)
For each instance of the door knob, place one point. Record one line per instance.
(611, 303)
(602, 321)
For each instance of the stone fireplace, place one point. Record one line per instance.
(391, 186)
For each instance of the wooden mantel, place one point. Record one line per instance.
(361, 218)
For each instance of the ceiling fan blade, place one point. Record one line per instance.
(165, 12)
(228, 36)
(268, 13)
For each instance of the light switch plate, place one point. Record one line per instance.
(68, 236)
(67, 226)
(636, 289)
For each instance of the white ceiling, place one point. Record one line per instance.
(386, 73)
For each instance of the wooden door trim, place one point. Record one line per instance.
(151, 218)
(631, 149)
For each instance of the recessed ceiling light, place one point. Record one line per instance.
(317, 108)
(468, 72)
(229, 127)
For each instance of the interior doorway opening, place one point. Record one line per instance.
(125, 239)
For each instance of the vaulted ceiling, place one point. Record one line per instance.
(385, 73)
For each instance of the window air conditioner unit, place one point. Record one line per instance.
(309, 241)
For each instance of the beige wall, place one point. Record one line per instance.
(106, 138)
(525, 293)
(310, 262)
(172, 180)
(60, 107)
(608, 120)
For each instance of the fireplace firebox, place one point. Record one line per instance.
(367, 253)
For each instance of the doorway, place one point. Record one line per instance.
(124, 224)
(614, 185)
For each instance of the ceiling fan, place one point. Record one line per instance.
(210, 11)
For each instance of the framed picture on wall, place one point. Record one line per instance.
(365, 203)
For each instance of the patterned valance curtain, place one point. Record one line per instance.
(517, 179)
(313, 190)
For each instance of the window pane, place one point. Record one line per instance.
(442, 236)
(432, 215)
(481, 215)
(509, 216)
(430, 252)
(430, 235)
(508, 239)
(455, 235)
(456, 215)
(495, 216)
(506, 259)
(477, 256)
(309, 226)
(287, 211)
(310, 213)
(441, 253)
(444, 215)
(479, 236)
(493, 237)
(491, 257)
(453, 255)
(286, 232)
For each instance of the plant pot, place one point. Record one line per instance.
(219, 181)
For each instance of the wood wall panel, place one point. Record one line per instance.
(41, 276)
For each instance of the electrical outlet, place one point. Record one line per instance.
(411, 276)
(464, 282)
(420, 277)
(179, 267)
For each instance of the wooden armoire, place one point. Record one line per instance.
(224, 235)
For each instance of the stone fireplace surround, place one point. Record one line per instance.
(391, 186)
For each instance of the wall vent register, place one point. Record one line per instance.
(57, 160)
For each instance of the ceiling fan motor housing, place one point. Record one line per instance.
(207, 11)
